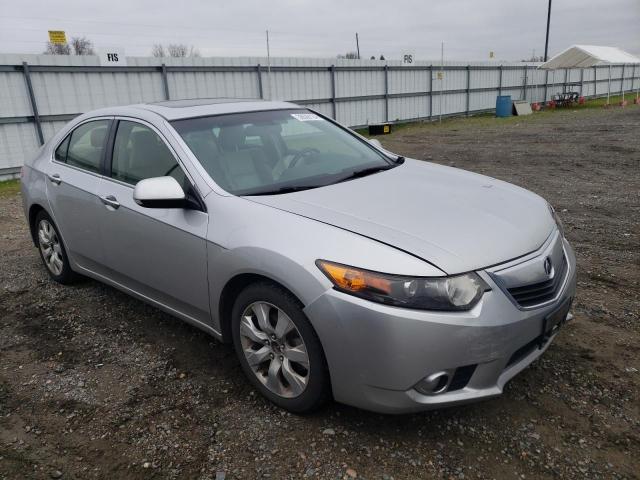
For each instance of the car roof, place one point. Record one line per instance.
(198, 107)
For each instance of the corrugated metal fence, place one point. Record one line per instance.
(39, 93)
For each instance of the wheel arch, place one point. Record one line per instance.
(230, 292)
(34, 210)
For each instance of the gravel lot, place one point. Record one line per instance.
(94, 384)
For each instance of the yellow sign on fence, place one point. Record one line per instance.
(57, 37)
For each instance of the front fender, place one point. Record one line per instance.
(245, 237)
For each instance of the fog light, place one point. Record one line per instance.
(433, 384)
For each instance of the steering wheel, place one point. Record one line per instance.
(300, 155)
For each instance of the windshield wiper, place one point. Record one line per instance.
(280, 190)
(365, 171)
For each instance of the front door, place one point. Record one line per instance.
(159, 253)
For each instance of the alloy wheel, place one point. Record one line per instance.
(274, 349)
(50, 247)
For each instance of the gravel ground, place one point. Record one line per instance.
(94, 384)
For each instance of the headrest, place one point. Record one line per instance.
(144, 139)
(97, 136)
(231, 138)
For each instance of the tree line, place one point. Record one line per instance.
(84, 46)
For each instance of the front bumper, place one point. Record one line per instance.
(377, 353)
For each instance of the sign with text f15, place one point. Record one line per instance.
(113, 57)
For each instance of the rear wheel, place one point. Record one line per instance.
(278, 349)
(52, 251)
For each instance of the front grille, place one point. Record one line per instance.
(541, 292)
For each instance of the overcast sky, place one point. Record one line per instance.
(513, 29)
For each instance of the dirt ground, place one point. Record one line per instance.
(94, 384)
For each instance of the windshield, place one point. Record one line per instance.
(277, 151)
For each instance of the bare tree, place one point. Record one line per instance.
(158, 50)
(349, 55)
(534, 58)
(82, 46)
(57, 49)
(178, 50)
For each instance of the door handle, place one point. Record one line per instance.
(55, 178)
(110, 201)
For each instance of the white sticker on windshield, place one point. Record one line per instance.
(306, 117)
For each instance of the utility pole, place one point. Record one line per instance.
(269, 67)
(357, 46)
(441, 80)
(546, 43)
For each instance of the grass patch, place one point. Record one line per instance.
(9, 188)
(489, 118)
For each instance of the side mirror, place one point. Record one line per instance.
(376, 143)
(159, 192)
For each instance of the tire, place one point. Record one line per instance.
(52, 251)
(278, 370)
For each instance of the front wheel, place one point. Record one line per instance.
(278, 348)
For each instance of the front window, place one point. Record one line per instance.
(276, 151)
(139, 153)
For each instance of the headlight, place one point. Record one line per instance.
(556, 219)
(460, 292)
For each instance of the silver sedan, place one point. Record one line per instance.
(336, 268)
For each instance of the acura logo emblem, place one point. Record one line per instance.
(548, 266)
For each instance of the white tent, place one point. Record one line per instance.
(584, 56)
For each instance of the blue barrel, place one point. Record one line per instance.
(503, 106)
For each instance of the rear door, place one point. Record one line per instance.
(159, 253)
(72, 183)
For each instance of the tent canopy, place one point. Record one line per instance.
(584, 56)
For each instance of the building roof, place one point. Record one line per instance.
(584, 56)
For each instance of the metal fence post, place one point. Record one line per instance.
(430, 91)
(622, 81)
(524, 84)
(165, 81)
(595, 81)
(500, 81)
(32, 99)
(609, 86)
(546, 85)
(386, 93)
(259, 73)
(333, 90)
(582, 82)
(468, 87)
(564, 84)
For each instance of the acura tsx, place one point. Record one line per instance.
(336, 268)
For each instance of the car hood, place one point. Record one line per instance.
(456, 220)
